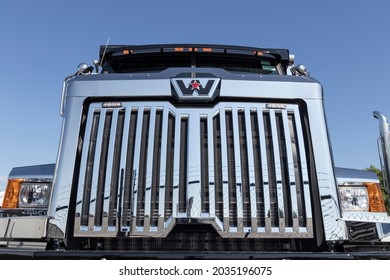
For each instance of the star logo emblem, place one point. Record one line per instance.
(195, 89)
(195, 85)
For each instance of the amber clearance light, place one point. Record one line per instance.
(375, 197)
(11, 196)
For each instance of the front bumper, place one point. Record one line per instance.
(115, 255)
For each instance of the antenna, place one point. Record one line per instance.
(104, 52)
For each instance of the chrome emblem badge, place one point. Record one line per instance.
(195, 89)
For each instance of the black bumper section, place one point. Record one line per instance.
(111, 255)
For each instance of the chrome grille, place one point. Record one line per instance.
(241, 167)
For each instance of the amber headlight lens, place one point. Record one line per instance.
(34, 195)
(353, 198)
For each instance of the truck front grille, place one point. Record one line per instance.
(148, 166)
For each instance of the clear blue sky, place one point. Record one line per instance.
(344, 44)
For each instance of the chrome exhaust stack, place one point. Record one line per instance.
(384, 147)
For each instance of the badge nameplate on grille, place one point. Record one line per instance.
(195, 89)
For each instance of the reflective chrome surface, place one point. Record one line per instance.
(147, 166)
(384, 146)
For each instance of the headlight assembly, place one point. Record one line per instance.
(34, 195)
(354, 198)
(27, 193)
(362, 197)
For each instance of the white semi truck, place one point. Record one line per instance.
(195, 151)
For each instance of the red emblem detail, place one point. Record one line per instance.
(195, 85)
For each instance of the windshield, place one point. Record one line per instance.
(155, 62)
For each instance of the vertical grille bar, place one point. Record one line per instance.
(211, 164)
(170, 161)
(123, 125)
(104, 166)
(252, 154)
(100, 166)
(265, 171)
(124, 122)
(183, 165)
(128, 193)
(137, 187)
(275, 138)
(89, 162)
(224, 170)
(148, 159)
(155, 191)
(204, 164)
(290, 143)
(176, 164)
(306, 204)
(194, 194)
(101, 145)
(164, 169)
(110, 205)
(270, 152)
(285, 198)
(258, 172)
(231, 166)
(245, 187)
(142, 170)
(218, 168)
(237, 188)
